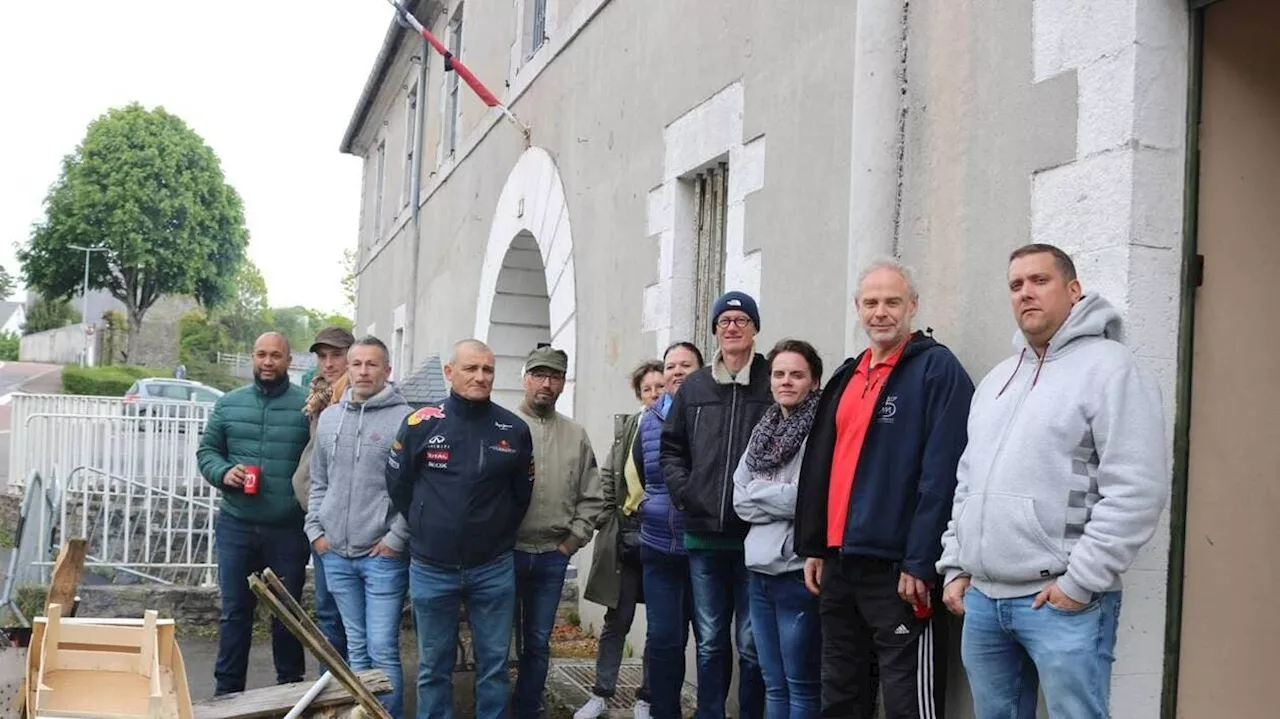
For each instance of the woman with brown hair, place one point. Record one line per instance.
(615, 577)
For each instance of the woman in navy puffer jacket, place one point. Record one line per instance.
(668, 589)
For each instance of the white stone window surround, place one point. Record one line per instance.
(710, 131)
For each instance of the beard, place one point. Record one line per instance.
(280, 379)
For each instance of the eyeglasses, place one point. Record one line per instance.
(739, 322)
(546, 377)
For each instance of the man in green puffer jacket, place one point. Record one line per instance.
(258, 425)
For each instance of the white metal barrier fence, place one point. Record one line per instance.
(128, 481)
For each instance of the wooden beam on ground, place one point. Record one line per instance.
(278, 700)
(290, 613)
(66, 574)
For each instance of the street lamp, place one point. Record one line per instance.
(84, 314)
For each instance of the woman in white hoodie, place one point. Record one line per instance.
(784, 614)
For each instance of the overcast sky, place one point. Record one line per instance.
(268, 84)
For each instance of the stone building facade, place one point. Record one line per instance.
(680, 148)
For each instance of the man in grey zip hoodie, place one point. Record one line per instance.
(351, 523)
(1063, 480)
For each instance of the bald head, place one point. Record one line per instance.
(271, 359)
(470, 370)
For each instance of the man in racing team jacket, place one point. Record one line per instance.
(461, 472)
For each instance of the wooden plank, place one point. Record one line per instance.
(278, 700)
(66, 574)
(147, 659)
(93, 661)
(99, 634)
(52, 638)
(291, 614)
(337, 665)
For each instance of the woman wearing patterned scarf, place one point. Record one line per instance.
(784, 614)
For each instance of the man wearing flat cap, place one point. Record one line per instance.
(567, 499)
(325, 385)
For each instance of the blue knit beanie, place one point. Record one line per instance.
(735, 300)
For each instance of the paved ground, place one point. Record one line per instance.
(199, 654)
(25, 377)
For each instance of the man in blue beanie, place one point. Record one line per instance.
(705, 434)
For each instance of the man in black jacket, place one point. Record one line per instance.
(705, 434)
(461, 472)
(875, 494)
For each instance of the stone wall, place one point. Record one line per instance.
(158, 342)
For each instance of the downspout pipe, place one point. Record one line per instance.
(415, 200)
(879, 97)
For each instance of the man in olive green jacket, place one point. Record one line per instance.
(260, 425)
(567, 500)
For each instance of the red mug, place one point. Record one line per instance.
(252, 475)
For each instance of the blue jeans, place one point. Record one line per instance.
(539, 584)
(370, 595)
(720, 596)
(437, 594)
(668, 608)
(788, 632)
(245, 548)
(327, 615)
(1009, 648)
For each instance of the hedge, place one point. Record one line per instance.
(107, 381)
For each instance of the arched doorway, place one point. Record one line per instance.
(527, 288)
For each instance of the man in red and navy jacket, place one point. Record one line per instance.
(461, 472)
(875, 494)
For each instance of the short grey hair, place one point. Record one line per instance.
(471, 344)
(371, 341)
(889, 264)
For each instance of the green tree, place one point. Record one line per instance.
(49, 314)
(247, 314)
(9, 344)
(338, 321)
(6, 284)
(298, 324)
(148, 190)
(349, 277)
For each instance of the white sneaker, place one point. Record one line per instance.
(595, 708)
(641, 709)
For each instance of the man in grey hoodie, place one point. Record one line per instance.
(1063, 481)
(351, 523)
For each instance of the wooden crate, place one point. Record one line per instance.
(83, 668)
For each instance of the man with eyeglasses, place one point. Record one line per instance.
(567, 499)
(703, 439)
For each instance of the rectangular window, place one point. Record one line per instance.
(379, 179)
(410, 141)
(711, 203)
(535, 27)
(397, 355)
(452, 109)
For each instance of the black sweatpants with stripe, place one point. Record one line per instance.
(863, 618)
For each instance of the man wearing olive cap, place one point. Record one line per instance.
(567, 499)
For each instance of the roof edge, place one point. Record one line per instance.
(377, 76)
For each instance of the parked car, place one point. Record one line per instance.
(166, 398)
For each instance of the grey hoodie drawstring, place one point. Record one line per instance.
(1034, 379)
(342, 419)
(1002, 389)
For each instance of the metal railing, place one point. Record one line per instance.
(130, 483)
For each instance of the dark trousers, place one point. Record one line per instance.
(244, 548)
(861, 614)
(668, 601)
(539, 585)
(613, 637)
